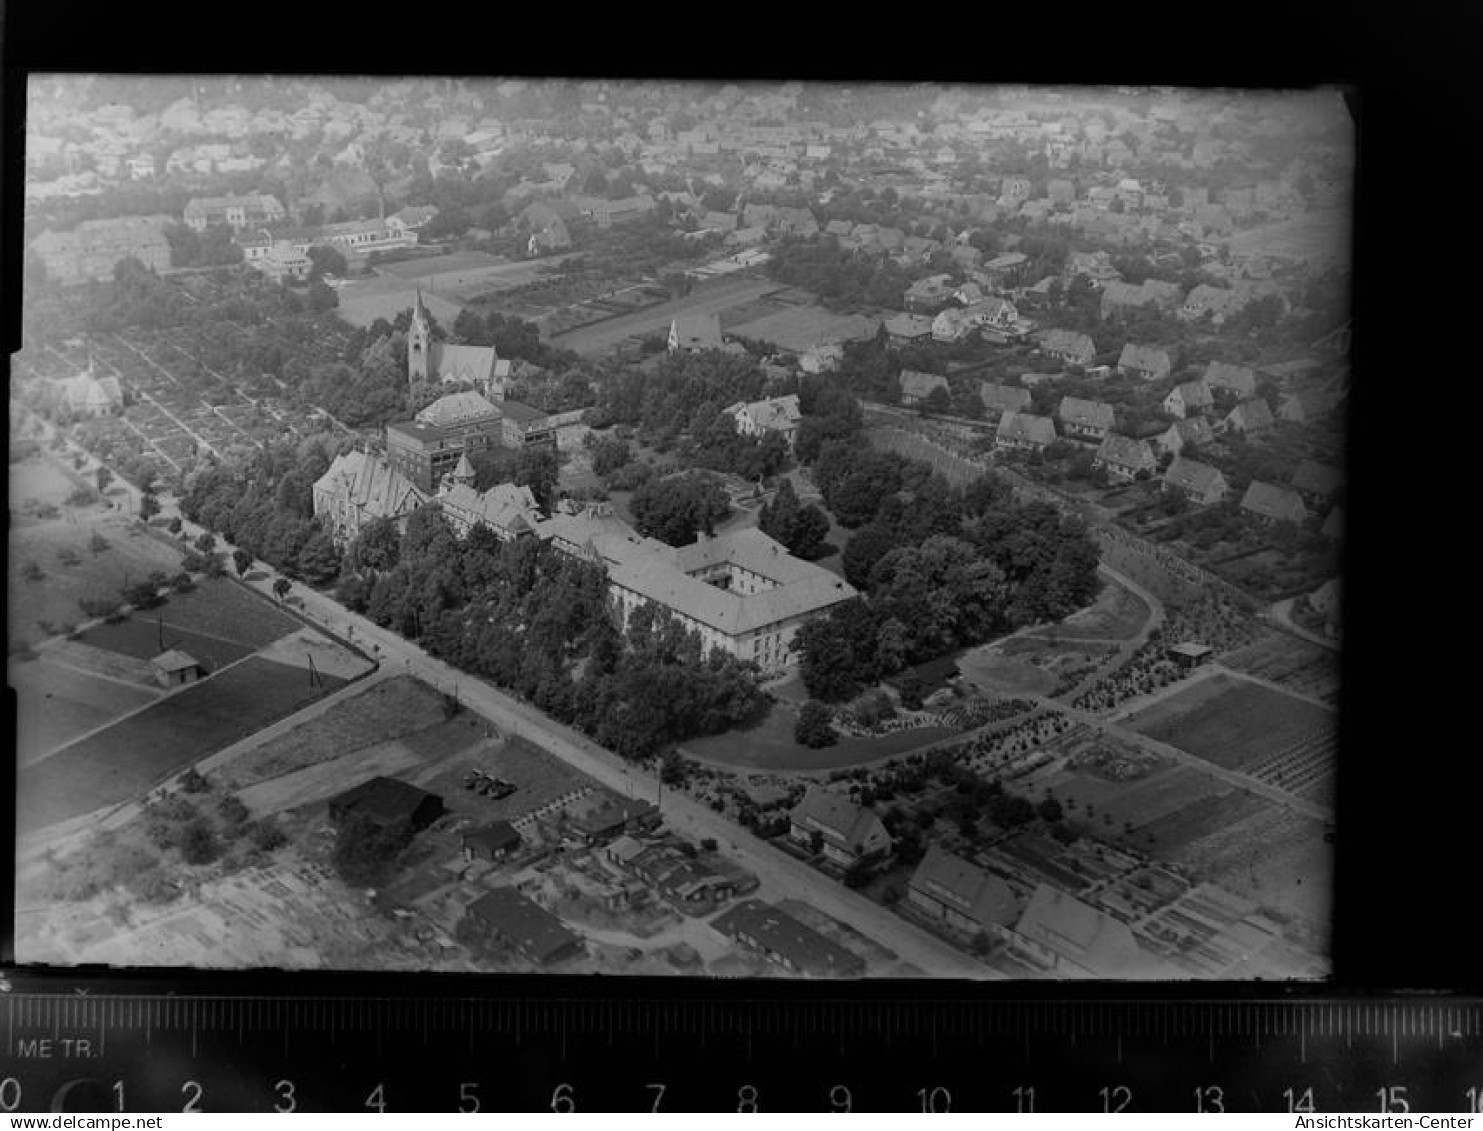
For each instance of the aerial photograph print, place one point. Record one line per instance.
(718, 529)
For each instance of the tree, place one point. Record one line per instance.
(194, 782)
(1049, 810)
(149, 506)
(104, 477)
(281, 587)
(97, 543)
(813, 727)
(676, 510)
(365, 852)
(206, 542)
(938, 400)
(242, 560)
(198, 843)
(327, 261)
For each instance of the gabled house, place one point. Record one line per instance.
(387, 803)
(999, 399)
(953, 325)
(1072, 939)
(1198, 482)
(1248, 417)
(1229, 382)
(1084, 419)
(1069, 346)
(846, 832)
(359, 487)
(1188, 397)
(1124, 457)
(929, 295)
(967, 898)
(906, 328)
(777, 414)
(917, 386)
(1219, 302)
(1021, 430)
(1273, 504)
(1147, 362)
(1182, 434)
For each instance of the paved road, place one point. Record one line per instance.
(1280, 615)
(781, 876)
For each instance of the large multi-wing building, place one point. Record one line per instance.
(742, 593)
(360, 487)
(95, 247)
(430, 446)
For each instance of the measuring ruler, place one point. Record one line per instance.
(616, 1046)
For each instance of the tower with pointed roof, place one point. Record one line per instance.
(419, 342)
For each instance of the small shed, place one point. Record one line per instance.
(175, 668)
(494, 841)
(1190, 655)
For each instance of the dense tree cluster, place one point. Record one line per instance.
(940, 567)
(842, 279)
(266, 506)
(676, 509)
(526, 617)
(512, 338)
(801, 528)
(210, 248)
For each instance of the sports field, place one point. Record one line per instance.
(129, 757)
(1229, 721)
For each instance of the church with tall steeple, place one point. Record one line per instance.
(443, 363)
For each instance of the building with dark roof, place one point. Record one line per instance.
(359, 488)
(1273, 503)
(1023, 430)
(1124, 457)
(787, 942)
(847, 832)
(493, 841)
(1148, 362)
(1197, 482)
(508, 918)
(1085, 419)
(387, 803)
(963, 896)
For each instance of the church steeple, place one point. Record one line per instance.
(419, 342)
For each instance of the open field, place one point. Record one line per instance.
(131, 556)
(55, 704)
(1116, 614)
(770, 746)
(365, 300)
(1318, 235)
(224, 607)
(709, 298)
(140, 636)
(998, 674)
(127, 758)
(385, 711)
(1231, 722)
(540, 779)
(796, 328)
(1308, 669)
(42, 479)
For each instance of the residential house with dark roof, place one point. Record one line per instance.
(489, 842)
(1230, 382)
(775, 414)
(1149, 363)
(929, 295)
(510, 919)
(917, 386)
(999, 399)
(964, 897)
(1274, 504)
(1187, 398)
(1024, 431)
(1069, 346)
(847, 833)
(1084, 419)
(787, 942)
(1198, 482)
(1248, 417)
(1182, 434)
(388, 803)
(1124, 457)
